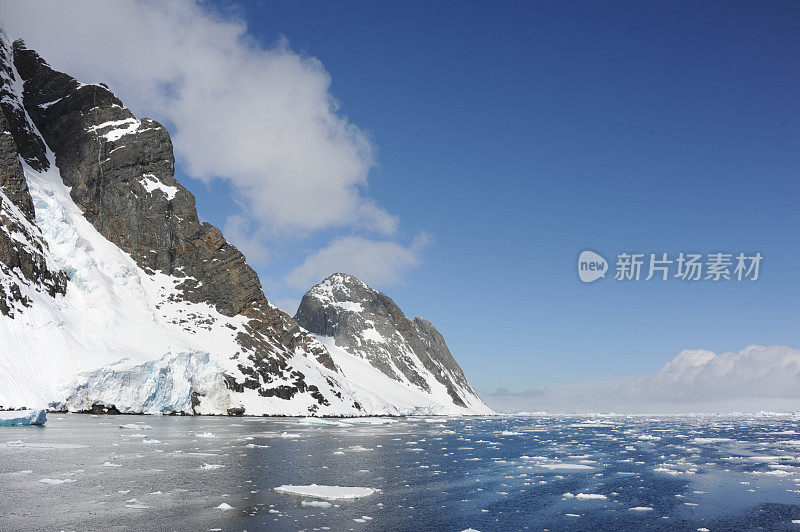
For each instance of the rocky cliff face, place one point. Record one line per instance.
(119, 171)
(137, 305)
(24, 265)
(369, 325)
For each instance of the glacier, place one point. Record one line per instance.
(22, 418)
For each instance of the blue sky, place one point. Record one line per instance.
(519, 134)
(507, 138)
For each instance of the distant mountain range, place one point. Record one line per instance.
(114, 297)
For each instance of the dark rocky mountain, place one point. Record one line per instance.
(193, 300)
(368, 324)
(23, 262)
(121, 174)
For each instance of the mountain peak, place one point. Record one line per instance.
(343, 280)
(367, 324)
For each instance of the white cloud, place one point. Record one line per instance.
(699, 375)
(261, 118)
(238, 231)
(753, 379)
(378, 263)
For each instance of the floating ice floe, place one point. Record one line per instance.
(585, 496)
(205, 435)
(327, 492)
(640, 509)
(563, 466)
(135, 426)
(57, 481)
(710, 440)
(667, 471)
(19, 418)
(371, 420)
(358, 448)
(321, 421)
(225, 507)
(316, 504)
(211, 466)
(773, 472)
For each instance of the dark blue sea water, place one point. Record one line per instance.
(526, 473)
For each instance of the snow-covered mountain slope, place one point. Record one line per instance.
(25, 265)
(117, 298)
(375, 344)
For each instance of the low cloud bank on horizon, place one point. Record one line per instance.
(757, 378)
(260, 118)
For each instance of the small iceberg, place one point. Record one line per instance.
(327, 492)
(21, 418)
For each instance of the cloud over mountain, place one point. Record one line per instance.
(376, 262)
(261, 118)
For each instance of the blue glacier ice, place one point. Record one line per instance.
(18, 418)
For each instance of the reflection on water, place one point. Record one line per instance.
(84, 472)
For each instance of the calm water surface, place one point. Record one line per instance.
(557, 473)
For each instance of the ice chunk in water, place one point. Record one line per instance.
(327, 492)
(20, 418)
(56, 481)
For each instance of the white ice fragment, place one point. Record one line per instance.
(590, 496)
(56, 481)
(327, 492)
(316, 504)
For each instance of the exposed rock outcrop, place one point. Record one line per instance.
(368, 324)
(23, 262)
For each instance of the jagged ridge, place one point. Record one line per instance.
(368, 324)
